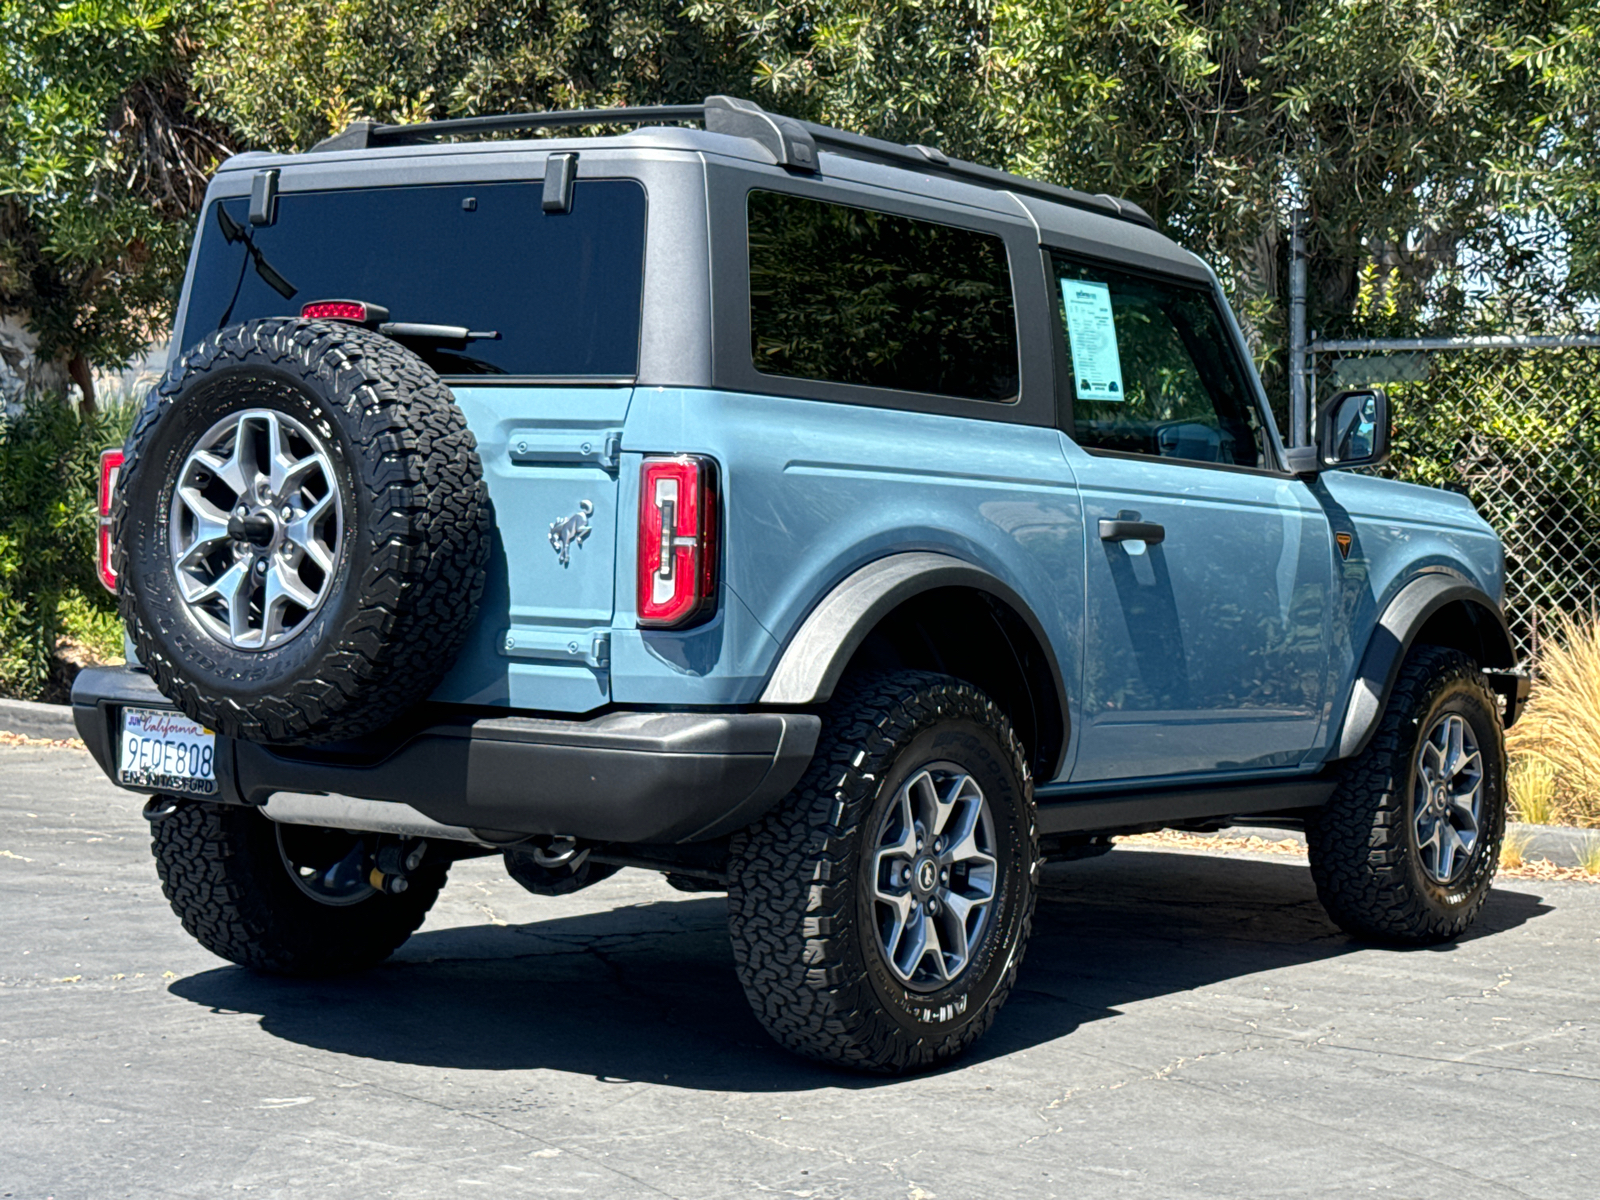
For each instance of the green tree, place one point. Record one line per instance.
(1409, 129)
(102, 163)
(1565, 61)
(286, 74)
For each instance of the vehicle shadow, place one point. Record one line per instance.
(648, 993)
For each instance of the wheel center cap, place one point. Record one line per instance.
(258, 528)
(927, 875)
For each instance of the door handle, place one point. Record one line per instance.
(1132, 531)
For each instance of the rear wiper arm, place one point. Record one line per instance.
(436, 333)
(233, 233)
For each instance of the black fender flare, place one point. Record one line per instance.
(1392, 637)
(811, 664)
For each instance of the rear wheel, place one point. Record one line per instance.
(292, 899)
(1407, 848)
(879, 915)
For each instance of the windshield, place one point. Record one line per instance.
(561, 289)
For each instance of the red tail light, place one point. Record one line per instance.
(357, 311)
(677, 540)
(110, 468)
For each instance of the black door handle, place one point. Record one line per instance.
(1132, 531)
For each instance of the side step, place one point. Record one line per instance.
(1158, 808)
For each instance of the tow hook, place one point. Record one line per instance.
(392, 863)
(158, 808)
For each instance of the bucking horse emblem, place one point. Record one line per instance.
(570, 531)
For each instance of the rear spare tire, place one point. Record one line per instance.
(300, 530)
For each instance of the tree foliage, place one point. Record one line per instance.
(102, 163)
(287, 74)
(1447, 151)
(49, 459)
(1416, 133)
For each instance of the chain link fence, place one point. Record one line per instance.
(1513, 424)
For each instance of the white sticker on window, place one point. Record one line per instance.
(1096, 365)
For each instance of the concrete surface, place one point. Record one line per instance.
(35, 720)
(1186, 1025)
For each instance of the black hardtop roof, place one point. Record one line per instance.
(794, 144)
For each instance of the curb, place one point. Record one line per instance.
(35, 720)
(1560, 845)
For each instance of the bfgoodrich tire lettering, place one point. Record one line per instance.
(800, 886)
(410, 563)
(1369, 869)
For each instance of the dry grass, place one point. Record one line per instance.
(1513, 850)
(1561, 729)
(1533, 790)
(1589, 858)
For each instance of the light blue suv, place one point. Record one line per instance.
(801, 515)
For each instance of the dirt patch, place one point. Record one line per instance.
(17, 739)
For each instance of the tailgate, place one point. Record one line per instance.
(542, 638)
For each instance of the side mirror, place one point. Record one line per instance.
(1353, 429)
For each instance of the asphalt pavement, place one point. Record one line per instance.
(1185, 1025)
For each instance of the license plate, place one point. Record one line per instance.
(167, 750)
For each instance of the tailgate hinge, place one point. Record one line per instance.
(601, 447)
(579, 647)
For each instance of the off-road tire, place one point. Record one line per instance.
(808, 958)
(411, 569)
(1364, 857)
(222, 873)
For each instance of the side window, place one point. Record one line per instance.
(849, 295)
(1152, 369)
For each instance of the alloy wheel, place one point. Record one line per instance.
(1447, 797)
(934, 876)
(256, 529)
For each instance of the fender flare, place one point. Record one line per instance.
(811, 664)
(1392, 638)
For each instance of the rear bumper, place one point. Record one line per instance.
(635, 777)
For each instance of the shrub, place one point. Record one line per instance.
(1513, 849)
(1589, 856)
(48, 477)
(1533, 789)
(1561, 726)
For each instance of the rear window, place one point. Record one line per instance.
(561, 289)
(850, 295)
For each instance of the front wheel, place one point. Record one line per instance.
(879, 914)
(1406, 849)
(291, 899)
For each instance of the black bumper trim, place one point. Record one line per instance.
(627, 777)
(1515, 688)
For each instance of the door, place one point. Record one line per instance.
(1209, 573)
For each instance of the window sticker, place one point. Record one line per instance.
(1096, 365)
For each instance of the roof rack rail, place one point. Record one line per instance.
(935, 162)
(794, 144)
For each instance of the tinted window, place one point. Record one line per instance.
(848, 295)
(1153, 371)
(561, 289)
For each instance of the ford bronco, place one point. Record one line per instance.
(801, 515)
